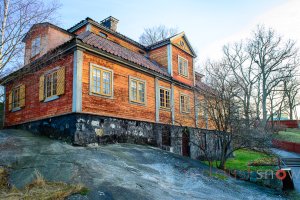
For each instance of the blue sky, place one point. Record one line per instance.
(205, 22)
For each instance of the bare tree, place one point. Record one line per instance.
(16, 18)
(223, 109)
(275, 58)
(292, 91)
(155, 34)
(244, 75)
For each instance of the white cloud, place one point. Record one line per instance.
(285, 19)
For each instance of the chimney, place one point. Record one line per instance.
(110, 23)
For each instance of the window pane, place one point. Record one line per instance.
(167, 99)
(16, 98)
(180, 66)
(141, 92)
(133, 90)
(162, 98)
(96, 80)
(185, 68)
(35, 46)
(54, 83)
(182, 103)
(48, 85)
(106, 83)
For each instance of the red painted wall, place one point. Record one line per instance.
(287, 123)
(288, 146)
(34, 109)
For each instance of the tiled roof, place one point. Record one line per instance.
(89, 20)
(161, 42)
(122, 52)
(204, 87)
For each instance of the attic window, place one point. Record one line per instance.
(35, 46)
(181, 43)
(102, 34)
(141, 52)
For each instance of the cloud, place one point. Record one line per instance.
(284, 18)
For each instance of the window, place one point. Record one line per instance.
(184, 103)
(35, 46)
(102, 34)
(137, 90)
(17, 98)
(164, 98)
(183, 66)
(101, 81)
(51, 84)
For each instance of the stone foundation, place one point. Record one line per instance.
(84, 129)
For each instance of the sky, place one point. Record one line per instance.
(208, 24)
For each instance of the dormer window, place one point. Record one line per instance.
(102, 34)
(182, 66)
(35, 46)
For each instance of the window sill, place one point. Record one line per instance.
(137, 103)
(165, 109)
(182, 112)
(16, 109)
(184, 76)
(51, 98)
(100, 95)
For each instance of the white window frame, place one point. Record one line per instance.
(35, 49)
(187, 66)
(131, 78)
(188, 103)
(92, 92)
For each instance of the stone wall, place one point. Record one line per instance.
(84, 129)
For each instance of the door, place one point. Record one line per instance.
(185, 143)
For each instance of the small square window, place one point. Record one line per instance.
(103, 34)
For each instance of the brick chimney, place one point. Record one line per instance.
(110, 23)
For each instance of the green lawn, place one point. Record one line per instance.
(290, 135)
(243, 157)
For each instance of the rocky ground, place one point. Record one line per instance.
(119, 171)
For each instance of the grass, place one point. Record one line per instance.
(38, 189)
(216, 175)
(242, 158)
(290, 135)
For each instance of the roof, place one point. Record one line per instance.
(204, 87)
(161, 42)
(89, 20)
(122, 52)
(169, 40)
(117, 34)
(47, 24)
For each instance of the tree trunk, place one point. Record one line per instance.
(264, 100)
(291, 113)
